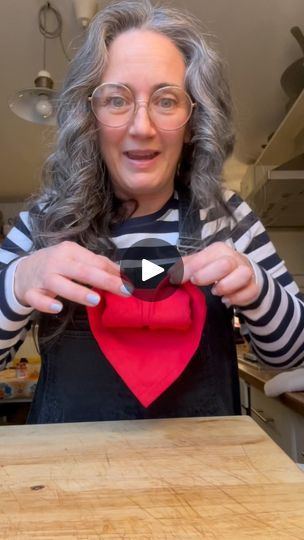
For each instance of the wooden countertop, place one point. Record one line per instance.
(181, 479)
(257, 377)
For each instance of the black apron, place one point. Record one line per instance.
(78, 384)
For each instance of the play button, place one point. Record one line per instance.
(150, 269)
(145, 265)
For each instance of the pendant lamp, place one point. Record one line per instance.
(84, 11)
(38, 104)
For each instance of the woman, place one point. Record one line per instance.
(144, 129)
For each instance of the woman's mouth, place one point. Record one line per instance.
(141, 155)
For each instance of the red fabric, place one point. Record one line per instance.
(149, 344)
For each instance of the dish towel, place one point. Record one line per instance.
(288, 381)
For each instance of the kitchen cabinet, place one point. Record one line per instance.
(245, 397)
(283, 425)
(282, 417)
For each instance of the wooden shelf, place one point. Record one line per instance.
(288, 140)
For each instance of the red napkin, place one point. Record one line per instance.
(149, 344)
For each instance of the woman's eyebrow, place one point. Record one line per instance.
(154, 87)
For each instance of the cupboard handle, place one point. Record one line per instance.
(258, 412)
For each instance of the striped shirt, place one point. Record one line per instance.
(274, 323)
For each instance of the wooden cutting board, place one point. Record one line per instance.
(194, 478)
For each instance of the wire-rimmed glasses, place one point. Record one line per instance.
(114, 105)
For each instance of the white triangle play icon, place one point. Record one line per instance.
(149, 269)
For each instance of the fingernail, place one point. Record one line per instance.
(126, 290)
(56, 307)
(213, 290)
(225, 301)
(93, 299)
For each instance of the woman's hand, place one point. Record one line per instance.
(230, 272)
(66, 270)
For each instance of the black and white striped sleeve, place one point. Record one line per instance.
(15, 319)
(275, 321)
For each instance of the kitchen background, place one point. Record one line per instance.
(263, 47)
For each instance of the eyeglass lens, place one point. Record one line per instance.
(114, 105)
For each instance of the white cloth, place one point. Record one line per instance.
(288, 381)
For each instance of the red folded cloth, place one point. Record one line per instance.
(149, 344)
(139, 314)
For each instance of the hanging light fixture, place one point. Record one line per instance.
(84, 11)
(38, 104)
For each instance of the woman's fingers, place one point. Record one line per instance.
(76, 292)
(234, 281)
(76, 262)
(245, 296)
(197, 261)
(214, 271)
(43, 301)
(103, 276)
(68, 271)
(230, 273)
(71, 251)
(239, 287)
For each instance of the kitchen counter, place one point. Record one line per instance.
(180, 479)
(257, 375)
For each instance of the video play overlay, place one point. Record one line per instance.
(145, 265)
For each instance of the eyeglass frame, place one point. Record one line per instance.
(141, 101)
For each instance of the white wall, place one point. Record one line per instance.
(290, 246)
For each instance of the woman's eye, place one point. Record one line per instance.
(167, 103)
(117, 101)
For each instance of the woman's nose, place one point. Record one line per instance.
(141, 123)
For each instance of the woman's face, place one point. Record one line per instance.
(141, 159)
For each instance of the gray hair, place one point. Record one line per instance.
(77, 197)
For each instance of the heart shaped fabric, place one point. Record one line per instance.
(149, 344)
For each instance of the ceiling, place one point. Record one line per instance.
(253, 36)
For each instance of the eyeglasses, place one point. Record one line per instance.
(114, 105)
